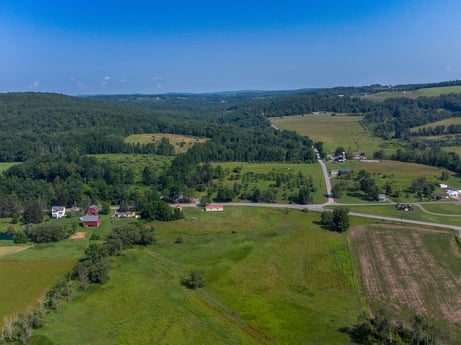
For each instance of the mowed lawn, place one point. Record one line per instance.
(181, 143)
(273, 277)
(409, 269)
(333, 131)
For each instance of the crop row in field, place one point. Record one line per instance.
(407, 270)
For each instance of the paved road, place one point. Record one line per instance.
(331, 201)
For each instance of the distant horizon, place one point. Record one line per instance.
(143, 47)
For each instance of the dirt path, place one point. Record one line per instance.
(12, 249)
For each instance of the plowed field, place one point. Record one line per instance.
(410, 269)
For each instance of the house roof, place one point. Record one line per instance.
(89, 218)
(58, 208)
(214, 206)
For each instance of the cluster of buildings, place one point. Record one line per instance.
(91, 219)
(449, 193)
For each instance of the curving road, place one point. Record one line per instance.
(331, 201)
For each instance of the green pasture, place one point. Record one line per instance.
(261, 178)
(392, 211)
(273, 277)
(333, 131)
(399, 174)
(448, 208)
(444, 122)
(6, 165)
(426, 92)
(23, 282)
(456, 149)
(181, 143)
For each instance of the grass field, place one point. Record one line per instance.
(24, 281)
(407, 270)
(445, 122)
(260, 178)
(399, 174)
(451, 208)
(416, 214)
(333, 131)
(5, 166)
(426, 92)
(272, 278)
(181, 143)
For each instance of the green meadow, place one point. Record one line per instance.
(6, 165)
(444, 122)
(262, 176)
(426, 92)
(273, 277)
(399, 174)
(181, 143)
(333, 131)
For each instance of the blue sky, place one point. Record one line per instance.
(109, 47)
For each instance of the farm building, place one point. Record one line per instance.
(453, 193)
(381, 197)
(58, 211)
(91, 221)
(92, 210)
(333, 173)
(124, 214)
(214, 208)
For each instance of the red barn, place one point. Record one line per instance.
(92, 210)
(91, 221)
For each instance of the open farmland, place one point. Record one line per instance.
(181, 143)
(399, 174)
(426, 92)
(5, 166)
(333, 131)
(272, 278)
(23, 282)
(264, 175)
(410, 269)
(445, 122)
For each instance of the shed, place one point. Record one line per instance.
(214, 208)
(93, 209)
(91, 221)
(381, 197)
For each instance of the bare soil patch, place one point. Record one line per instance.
(410, 268)
(12, 249)
(78, 235)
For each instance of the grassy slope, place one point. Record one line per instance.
(399, 174)
(5, 166)
(334, 131)
(427, 92)
(445, 122)
(313, 170)
(24, 281)
(279, 279)
(181, 143)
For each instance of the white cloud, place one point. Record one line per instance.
(34, 85)
(106, 78)
(157, 78)
(122, 80)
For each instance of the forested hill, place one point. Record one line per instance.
(37, 124)
(42, 123)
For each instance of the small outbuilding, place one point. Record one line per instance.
(214, 208)
(91, 221)
(381, 197)
(93, 209)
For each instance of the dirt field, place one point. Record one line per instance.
(12, 249)
(78, 235)
(406, 269)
